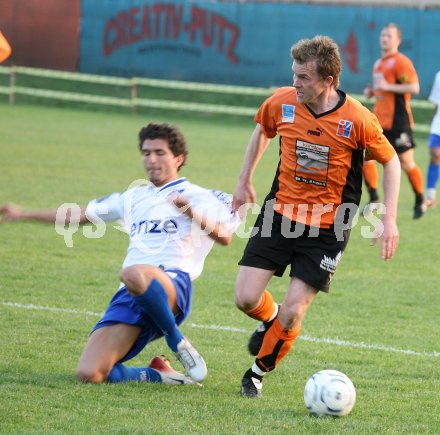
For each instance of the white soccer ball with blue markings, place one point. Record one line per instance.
(329, 392)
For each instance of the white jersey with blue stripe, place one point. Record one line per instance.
(160, 234)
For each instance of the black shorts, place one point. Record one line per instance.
(401, 140)
(313, 254)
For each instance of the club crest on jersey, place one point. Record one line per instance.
(288, 112)
(344, 128)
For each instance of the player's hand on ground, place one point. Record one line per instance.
(9, 212)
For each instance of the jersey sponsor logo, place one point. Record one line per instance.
(288, 112)
(391, 62)
(344, 128)
(153, 226)
(317, 132)
(311, 163)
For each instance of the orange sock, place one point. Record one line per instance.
(276, 345)
(265, 309)
(415, 177)
(371, 174)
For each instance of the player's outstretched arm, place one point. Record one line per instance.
(11, 212)
(245, 192)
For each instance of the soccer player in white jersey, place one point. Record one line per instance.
(172, 225)
(434, 145)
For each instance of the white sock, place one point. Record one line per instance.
(257, 370)
(431, 193)
(275, 312)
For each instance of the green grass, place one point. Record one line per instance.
(379, 309)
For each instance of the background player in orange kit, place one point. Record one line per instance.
(323, 136)
(394, 81)
(5, 48)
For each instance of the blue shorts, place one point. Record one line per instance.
(123, 309)
(434, 140)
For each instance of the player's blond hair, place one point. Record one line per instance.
(324, 51)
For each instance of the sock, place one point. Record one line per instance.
(371, 176)
(374, 196)
(155, 303)
(121, 373)
(266, 310)
(254, 372)
(433, 175)
(431, 193)
(276, 345)
(415, 177)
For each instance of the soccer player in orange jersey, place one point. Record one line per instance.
(394, 81)
(5, 48)
(324, 136)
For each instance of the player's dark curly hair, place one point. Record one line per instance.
(168, 132)
(326, 53)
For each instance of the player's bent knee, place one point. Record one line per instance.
(245, 302)
(290, 316)
(134, 279)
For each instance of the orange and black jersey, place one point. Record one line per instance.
(392, 109)
(5, 48)
(321, 156)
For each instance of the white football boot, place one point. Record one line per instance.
(192, 361)
(168, 375)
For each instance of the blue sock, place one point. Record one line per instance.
(155, 303)
(433, 175)
(121, 373)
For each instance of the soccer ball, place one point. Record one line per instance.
(329, 392)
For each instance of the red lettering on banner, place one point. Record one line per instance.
(176, 20)
(115, 33)
(209, 22)
(165, 20)
(235, 34)
(108, 44)
(145, 31)
(132, 26)
(157, 8)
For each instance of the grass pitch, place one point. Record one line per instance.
(379, 324)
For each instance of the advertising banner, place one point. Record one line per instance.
(244, 43)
